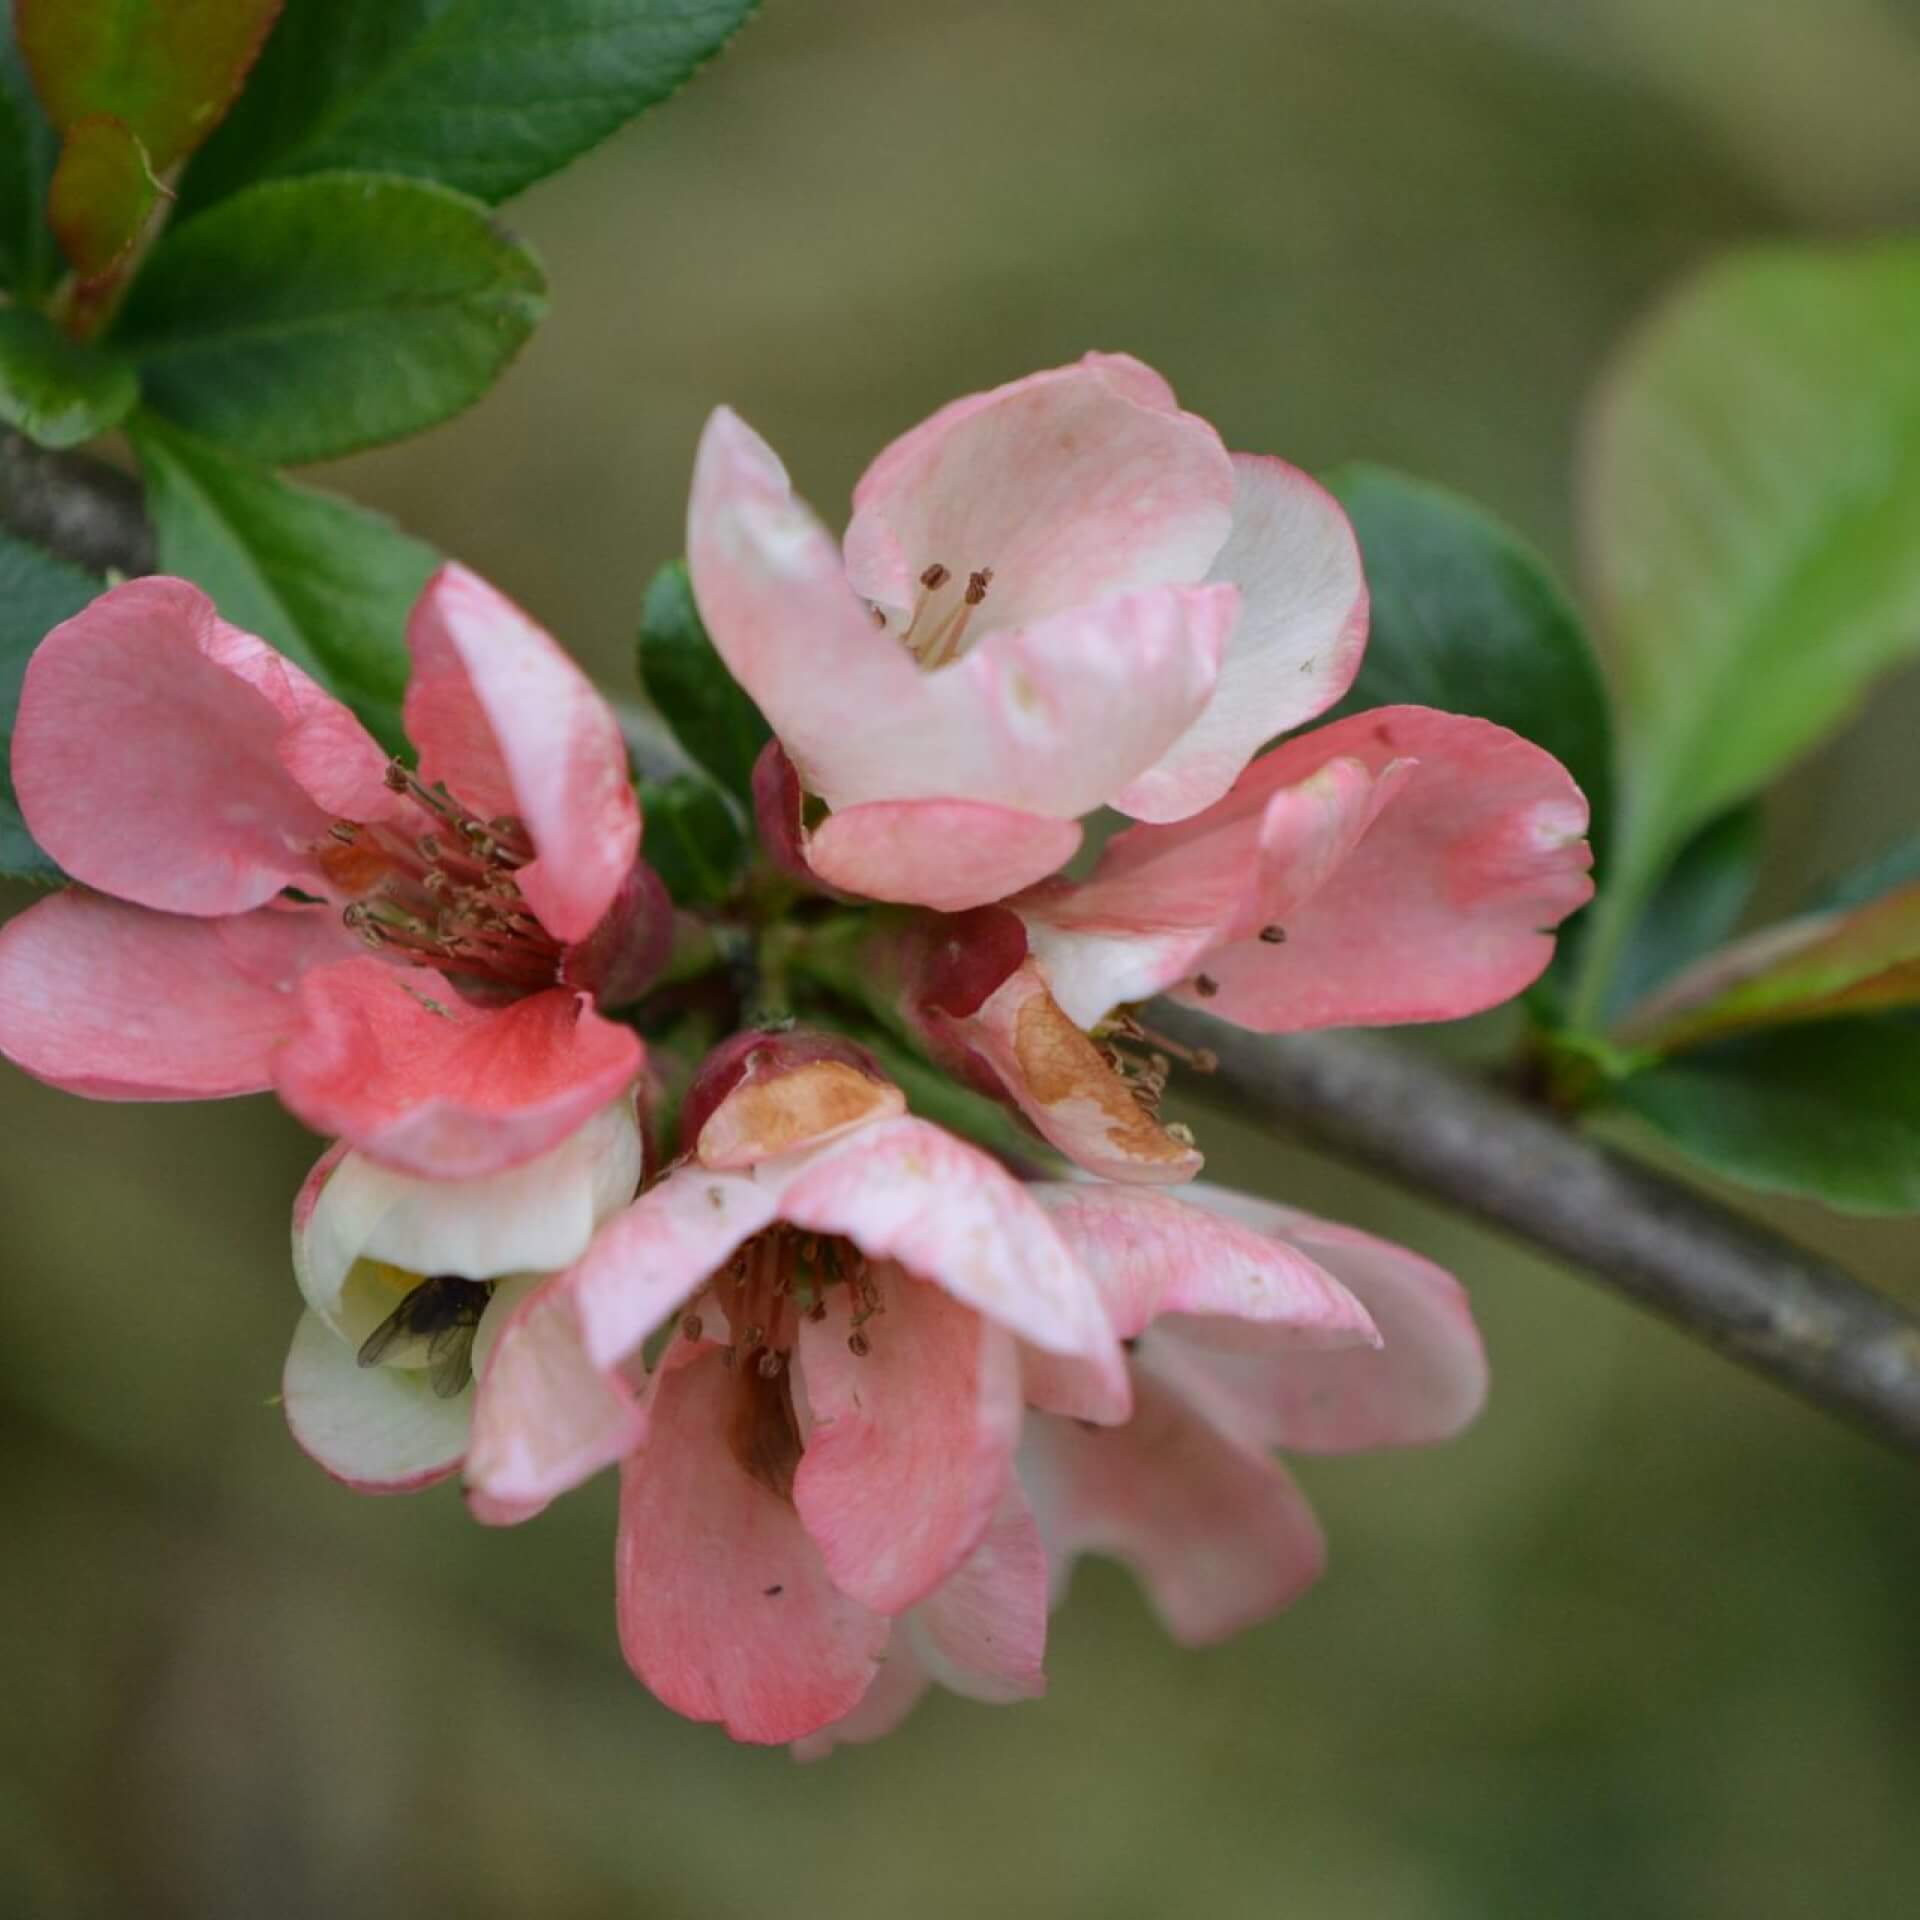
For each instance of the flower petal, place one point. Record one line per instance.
(1298, 644)
(393, 1061)
(983, 1632)
(512, 726)
(1220, 1537)
(149, 769)
(120, 1003)
(1425, 1383)
(896, 1691)
(724, 1605)
(912, 1439)
(379, 1429)
(949, 1213)
(946, 854)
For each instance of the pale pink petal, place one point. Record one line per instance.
(394, 1061)
(1296, 649)
(512, 726)
(545, 1418)
(945, 854)
(897, 1689)
(148, 769)
(1425, 1383)
(1065, 485)
(1219, 1536)
(1163, 899)
(379, 1429)
(1152, 1254)
(648, 1261)
(912, 1439)
(724, 1605)
(949, 1213)
(120, 1003)
(1060, 1080)
(983, 1632)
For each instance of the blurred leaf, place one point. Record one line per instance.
(307, 318)
(1753, 517)
(1696, 906)
(167, 69)
(102, 195)
(1831, 1111)
(1859, 960)
(37, 592)
(327, 582)
(694, 840)
(483, 95)
(55, 391)
(1893, 866)
(1467, 618)
(28, 148)
(708, 710)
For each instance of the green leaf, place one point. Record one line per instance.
(327, 582)
(307, 318)
(483, 95)
(1752, 502)
(37, 592)
(102, 196)
(694, 840)
(1467, 618)
(28, 149)
(708, 710)
(166, 68)
(1893, 866)
(55, 391)
(1696, 906)
(1829, 1111)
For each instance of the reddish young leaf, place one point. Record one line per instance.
(102, 193)
(169, 69)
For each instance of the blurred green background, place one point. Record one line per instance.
(1646, 1643)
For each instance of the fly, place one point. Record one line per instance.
(443, 1311)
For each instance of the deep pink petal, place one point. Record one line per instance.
(724, 1605)
(512, 726)
(912, 1439)
(1298, 644)
(906, 1191)
(1425, 1383)
(121, 1003)
(1065, 485)
(897, 1689)
(1220, 1537)
(394, 1061)
(378, 1429)
(151, 770)
(983, 1632)
(945, 854)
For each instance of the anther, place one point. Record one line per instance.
(935, 577)
(977, 584)
(769, 1364)
(1205, 985)
(1274, 936)
(859, 1345)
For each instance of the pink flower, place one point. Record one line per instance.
(1186, 1491)
(827, 1440)
(238, 835)
(408, 1282)
(1399, 865)
(1056, 596)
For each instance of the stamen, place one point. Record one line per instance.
(942, 642)
(935, 577)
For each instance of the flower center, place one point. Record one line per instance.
(432, 1326)
(446, 897)
(936, 632)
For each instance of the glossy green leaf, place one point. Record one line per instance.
(167, 69)
(55, 391)
(102, 195)
(694, 840)
(1830, 1111)
(708, 710)
(327, 582)
(484, 95)
(1467, 618)
(1752, 507)
(37, 592)
(28, 149)
(307, 318)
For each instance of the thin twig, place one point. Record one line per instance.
(1743, 1289)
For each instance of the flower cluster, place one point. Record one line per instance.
(870, 1387)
